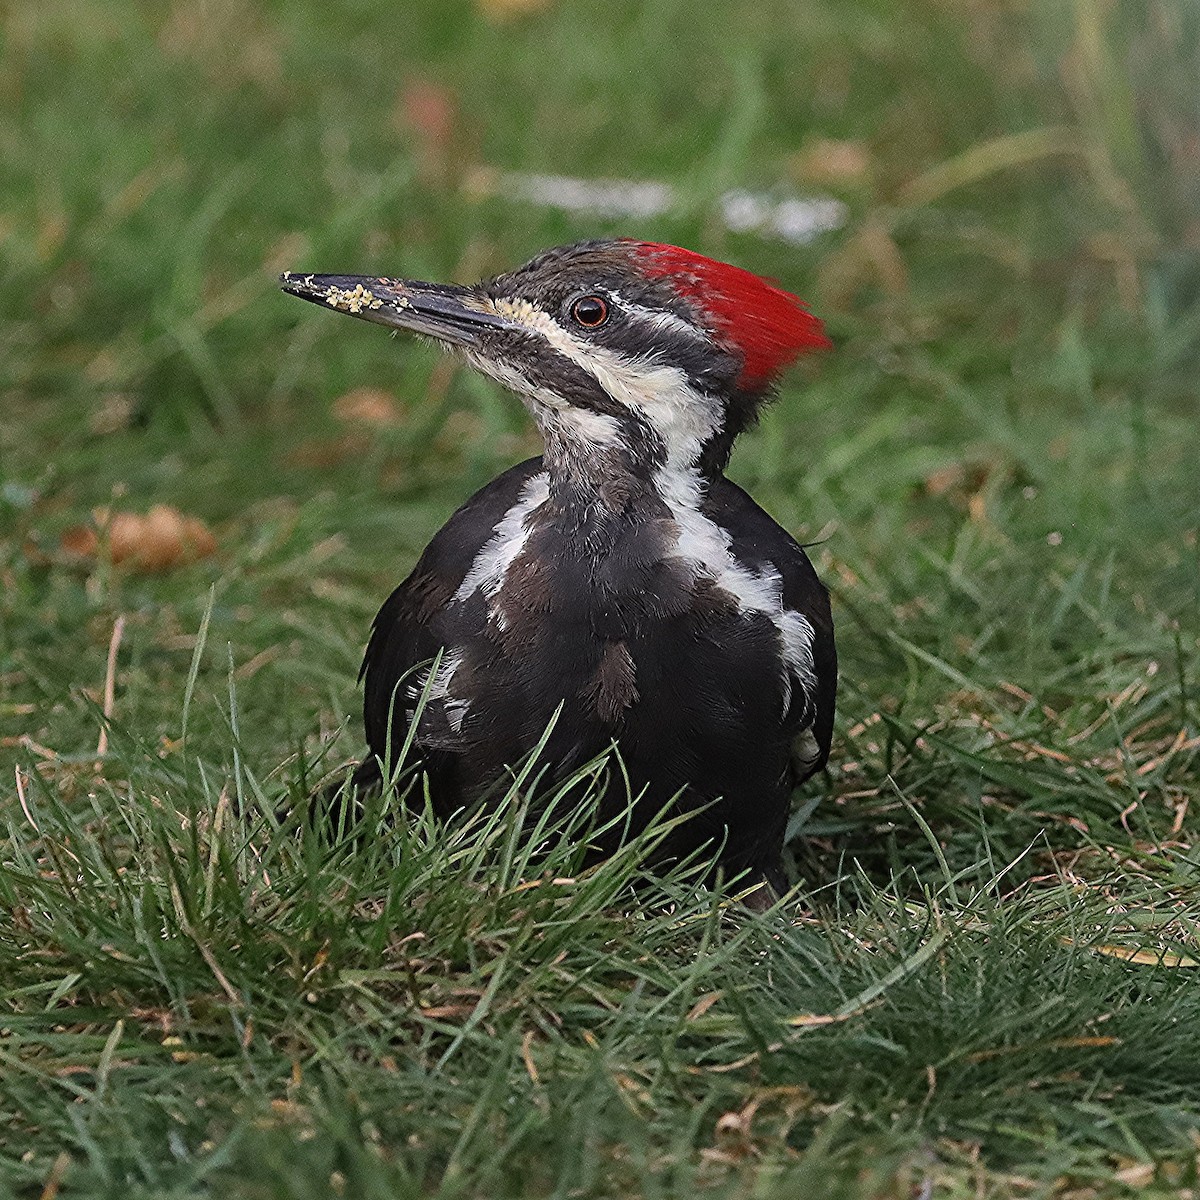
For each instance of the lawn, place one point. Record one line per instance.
(986, 982)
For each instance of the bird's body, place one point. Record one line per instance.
(619, 590)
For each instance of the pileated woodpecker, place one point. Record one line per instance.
(620, 579)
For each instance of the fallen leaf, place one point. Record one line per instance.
(427, 112)
(367, 406)
(831, 162)
(939, 481)
(114, 413)
(504, 10)
(157, 541)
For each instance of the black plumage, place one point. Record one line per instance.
(619, 581)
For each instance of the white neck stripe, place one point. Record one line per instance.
(709, 548)
(683, 417)
(501, 549)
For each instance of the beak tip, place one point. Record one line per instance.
(351, 294)
(447, 312)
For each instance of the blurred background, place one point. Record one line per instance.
(994, 204)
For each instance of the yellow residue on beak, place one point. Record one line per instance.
(354, 301)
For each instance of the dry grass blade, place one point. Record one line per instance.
(110, 684)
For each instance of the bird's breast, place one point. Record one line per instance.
(655, 611)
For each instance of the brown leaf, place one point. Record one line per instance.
(427, 113)
(114, 413)
(940, 480)
(367, 406)
(833, 162)
(506, 10)
(161, 539)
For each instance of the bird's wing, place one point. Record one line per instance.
(409, 629)
(760, 543)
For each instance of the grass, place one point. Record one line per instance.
(986, 982)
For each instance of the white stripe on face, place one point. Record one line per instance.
(581, 426)
(660, 394)
(659, 318)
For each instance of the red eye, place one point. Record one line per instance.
(590, 311)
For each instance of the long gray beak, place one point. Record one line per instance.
(445, 311)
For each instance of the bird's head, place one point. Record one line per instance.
(654, 350)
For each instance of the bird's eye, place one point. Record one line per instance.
(590, 311)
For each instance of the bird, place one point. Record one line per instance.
(617, 591)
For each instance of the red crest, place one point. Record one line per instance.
(769, 327)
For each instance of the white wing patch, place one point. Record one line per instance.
(708, 547)
(453, 707)
(501, 549)
(586, 429)
(805, 747)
